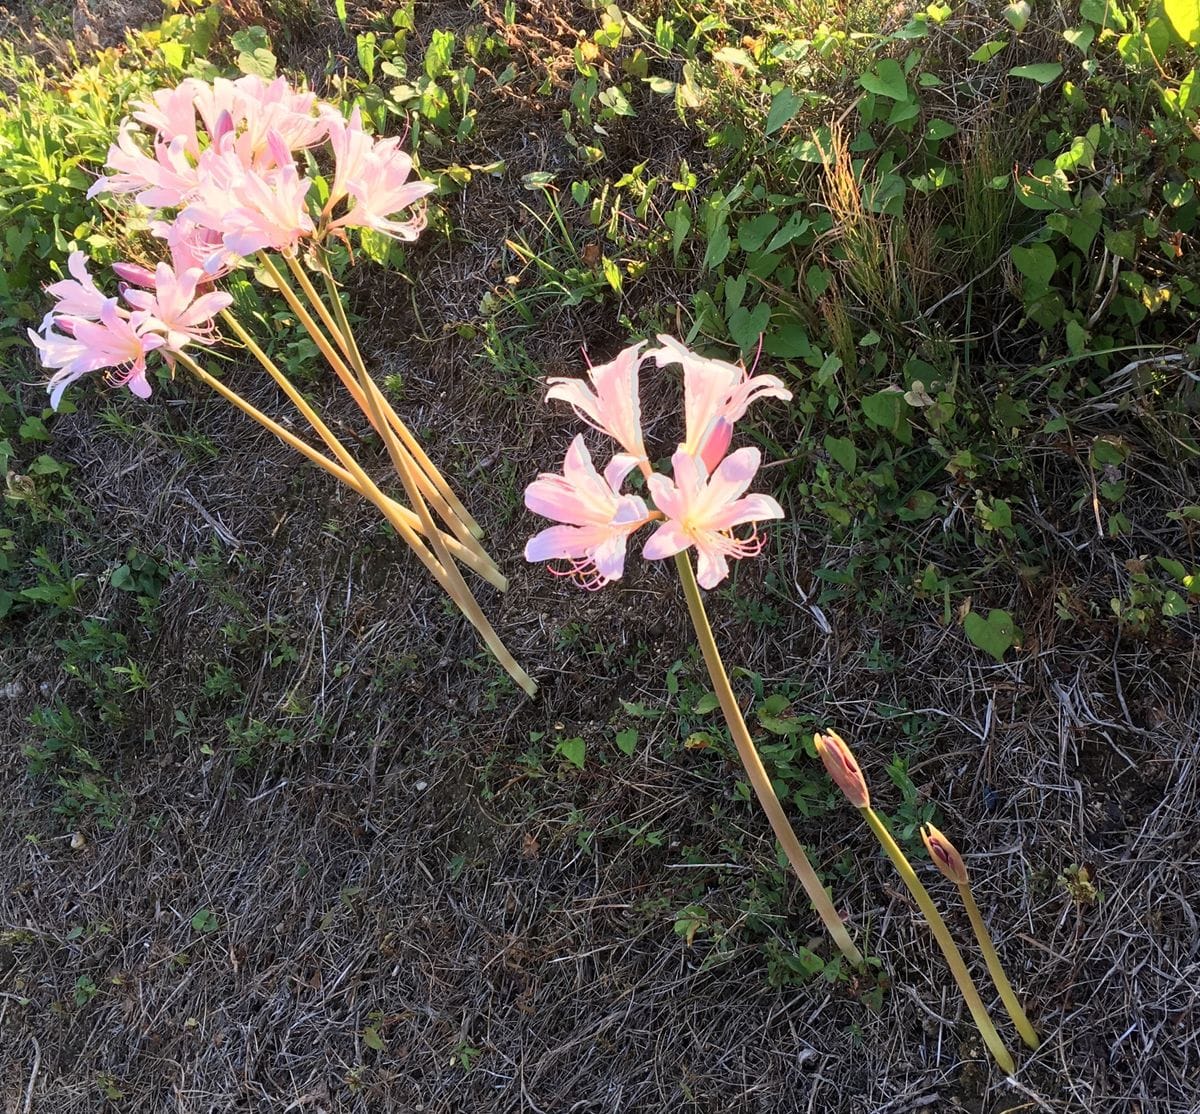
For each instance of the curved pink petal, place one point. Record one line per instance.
(750, 508)
(711, 567)
(733, 475)
(562, 543)
(670, 538)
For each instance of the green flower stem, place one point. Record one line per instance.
(406, 469)
(748, 753)
(996, 969)
(958, 967)
(334, 358)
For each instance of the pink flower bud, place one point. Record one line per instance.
(945, 855)
(841, 766)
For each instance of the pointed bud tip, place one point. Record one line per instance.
(944, 854)
(841, 766)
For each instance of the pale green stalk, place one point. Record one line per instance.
(406, 469)
(759, 780)
(941, 933)
(442, 492)
(996, 969)
(432, 487)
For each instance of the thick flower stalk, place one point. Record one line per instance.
(703, 505)
(842, 767)
(946, 858)
(217, 164)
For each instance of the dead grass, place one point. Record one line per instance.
(398, 871)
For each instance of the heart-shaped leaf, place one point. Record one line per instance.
(746, 326)
(886, 80)
(995, 635)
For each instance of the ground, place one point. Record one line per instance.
(325, 857)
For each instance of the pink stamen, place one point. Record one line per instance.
(582, 572)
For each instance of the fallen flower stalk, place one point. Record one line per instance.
(946, 858)
(221, 172)
(487, 571)
(840, 763)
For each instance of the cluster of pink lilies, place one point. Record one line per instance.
(220, 169)
(217, 166)
(701, 503)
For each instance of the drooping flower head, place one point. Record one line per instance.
(596, 518)
(716, 394)
(944, 854)
(703, 510)
(377, 182)
(164, 180)
(77, 296)
(842, 767)
(611, 404)
(249, 210)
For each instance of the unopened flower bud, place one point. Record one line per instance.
(841, 766)
(945, 855)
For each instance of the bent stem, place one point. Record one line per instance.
(343, 372)
(996, 969)
(406, 469)
(757, 773)
(442, 494)
(467, 556)
(941, 933)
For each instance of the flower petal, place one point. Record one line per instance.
(670, 538)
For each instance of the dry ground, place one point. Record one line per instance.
(397, 873)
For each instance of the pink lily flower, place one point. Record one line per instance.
(77, 296)
(164, 181)
(611, 405)
(111, 342)
(597, 519)
(351, 148)
(174, 310)
(702, 510)
(172, 113)
(716, 394)
(250, 211)
(379, 186)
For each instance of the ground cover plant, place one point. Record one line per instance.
(277, 832)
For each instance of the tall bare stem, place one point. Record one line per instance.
(755, 770)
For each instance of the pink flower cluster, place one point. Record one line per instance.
(699, 506)
(218, 163)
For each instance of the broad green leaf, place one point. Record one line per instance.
(886, 80)
(784, 106)
(1184, 17)
(989, 50)
(996, 634)
(1080, 38)
(1037, 263)
(753, 233)
(888, 410)
(1017, 14)
(627, 740)
(843, 451)
(573, 750)
(1041, 72)
(746, 326)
